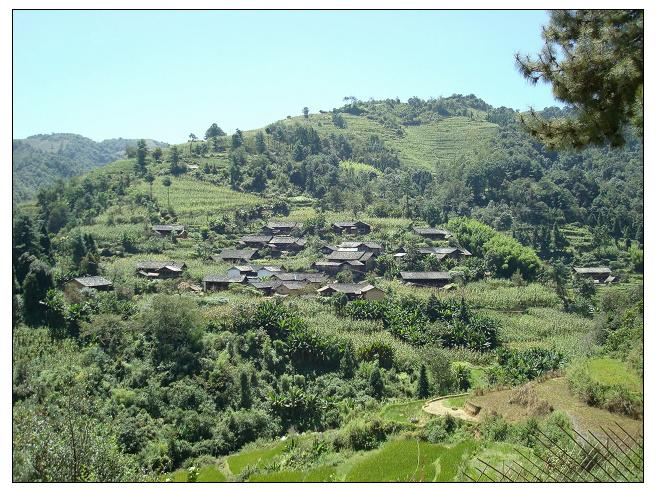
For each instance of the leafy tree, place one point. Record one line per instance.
(338, 120)
(214, 131)
(35, 289)
(237, 139)
(192, 139)
(149, 178)
(25, 245)
(142, 152)
(172, 323)
(423, 387)
(174, 158)
(594, 61)
(348, 363)
(237, 160)
(157, 154)
(78, 249)
(245, 398)
(167, 183)
(376, 383)
(558, 239)
(260, 144)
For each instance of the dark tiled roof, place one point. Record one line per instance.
(167, 227)
(301, 276)
(284, 240)
(294, 284)
(224, 279)
(345, 255)
(350, 223)
(430, 231)
(346, 288)
(358, 244)
(269, 284)
(93, 281)
(158, 265)
(243, 268)
(327, 263)
(425, 275)
(273, 224)
(592, 270)
(256, 238)
(438, 251)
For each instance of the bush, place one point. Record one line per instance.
(613, 397)
(362, 435)
(440, 429)
(518, 366)
(377, 351)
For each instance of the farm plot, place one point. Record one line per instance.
(196, 201)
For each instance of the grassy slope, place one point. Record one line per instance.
(427, 145)
(556, 392)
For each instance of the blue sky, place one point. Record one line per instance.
(162, 75)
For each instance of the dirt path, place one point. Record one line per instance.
(439, 407)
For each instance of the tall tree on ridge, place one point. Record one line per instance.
(594, 61)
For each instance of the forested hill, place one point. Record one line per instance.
(39, 160)
(423, 160)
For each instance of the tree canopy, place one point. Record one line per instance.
(594, 61)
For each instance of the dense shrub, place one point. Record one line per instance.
(364, 434)
(518, 366)
(613, 397)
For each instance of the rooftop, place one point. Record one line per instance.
(223, 279)
(425, 275)
(158, 265)
(93, 281)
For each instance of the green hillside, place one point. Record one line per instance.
(40, 160)
(168, 380)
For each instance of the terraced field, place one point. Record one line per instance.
(195, 201)
(428, 145)
(442, 142)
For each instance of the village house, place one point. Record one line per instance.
(160, 269)
(283, 288)
(236, 255)
(212, 283)
(356, 261)
(277, 227)
(311, 278)
(432, 233)
(597, 274)
(286, 243)
(448, 252)
(374, 248)
(264, 271)
(334, 267)
(255, 240)
(95, 283)
(241, 270)
(428, 279)
(352, 291)
(351, 227)
(364, 257)
(177, 230)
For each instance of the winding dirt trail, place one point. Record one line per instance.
(439, 407)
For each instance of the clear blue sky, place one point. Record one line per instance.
(162, 75)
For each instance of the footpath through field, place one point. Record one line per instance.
(442, 406)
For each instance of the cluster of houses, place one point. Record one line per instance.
(276, 237)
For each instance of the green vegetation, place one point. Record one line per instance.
(40, 160)
(410, 461)
(254, 457)
(169, 382)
